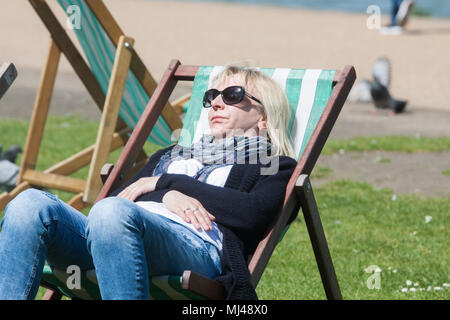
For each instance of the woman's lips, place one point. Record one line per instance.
(217, 119)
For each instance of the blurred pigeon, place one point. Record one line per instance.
(360, 92)
(11, 153)
(383, 99)
(9, 171)
(8, 175)
(381, 73)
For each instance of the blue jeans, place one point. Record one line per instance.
(125, 243)
(394, 10)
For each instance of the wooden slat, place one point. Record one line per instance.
(188, 72)
(83, 158)
(137, 66)
(52, 292)
(202, 286)
(106, 171)
(142, 130)
(66, 167)
(6, 197)
(106, 19)
(77, 202)
(109, 117)
(40, 110)
(66, 46)
(54, 181)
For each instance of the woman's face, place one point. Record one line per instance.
(245, 118)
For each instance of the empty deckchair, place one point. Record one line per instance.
(316, 98)
(114, 76)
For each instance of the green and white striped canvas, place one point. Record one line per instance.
(167, 287)
(100, 52)
(308, 92)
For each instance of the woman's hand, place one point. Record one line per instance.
(189, 209)
(134, 190)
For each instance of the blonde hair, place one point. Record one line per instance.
(274, 101)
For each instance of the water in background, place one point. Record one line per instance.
(435, 8)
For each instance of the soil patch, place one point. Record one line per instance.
(419, 173)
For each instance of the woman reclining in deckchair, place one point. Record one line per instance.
(203, 208)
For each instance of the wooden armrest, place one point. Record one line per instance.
(202, 286)
(106, 171)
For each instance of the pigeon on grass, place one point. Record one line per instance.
(9, 171)
(381, 73)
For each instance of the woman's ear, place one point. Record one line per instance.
(262, 123)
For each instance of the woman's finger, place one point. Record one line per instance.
(126, 193)
(181, 213)
(189, 209)
(200, 218)
(193, 218)
(207, 225)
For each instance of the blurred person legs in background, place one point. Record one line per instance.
(400, 12)
(399, 16)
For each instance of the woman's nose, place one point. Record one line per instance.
(218, 103)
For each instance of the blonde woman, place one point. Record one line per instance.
(203, 208)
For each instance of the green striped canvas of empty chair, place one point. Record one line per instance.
(100, 51)
(308, 92)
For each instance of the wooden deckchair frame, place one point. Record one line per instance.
(113, 131)
(299, 188)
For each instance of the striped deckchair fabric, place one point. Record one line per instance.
(308, 91)
(100, 51)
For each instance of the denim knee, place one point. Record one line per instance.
(110, 218)
(31, 210)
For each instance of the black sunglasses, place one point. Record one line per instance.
(230, 95)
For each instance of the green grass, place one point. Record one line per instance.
(383, 160)
(419, 12)
(388, 143)
(320, 172)
(365, 227)
(63, 137)
(446, 172)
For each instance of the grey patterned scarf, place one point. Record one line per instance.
(214, 153)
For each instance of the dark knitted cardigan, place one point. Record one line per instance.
(243, 208)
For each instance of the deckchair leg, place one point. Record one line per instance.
(319, 242)
(109, 118)
(6, 197)
(40, 110)
(52, 295)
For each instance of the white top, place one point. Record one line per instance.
(190, 167)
